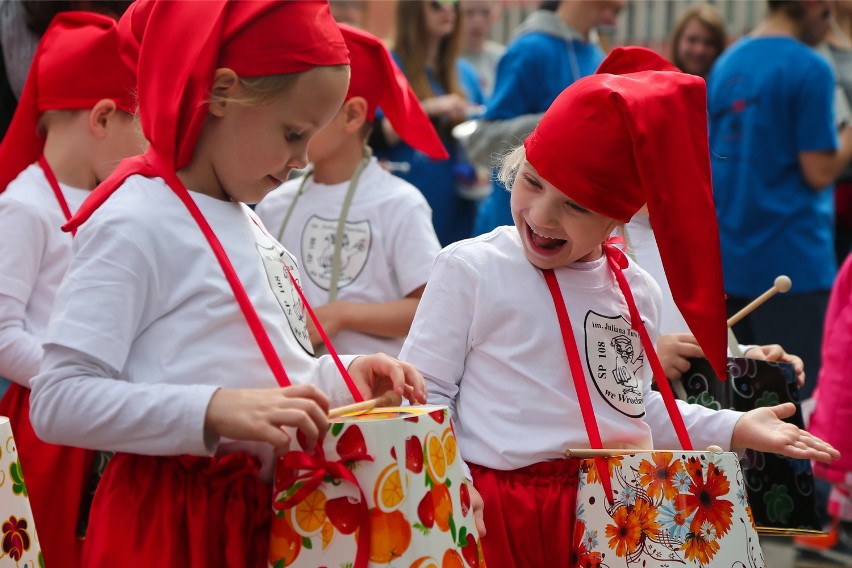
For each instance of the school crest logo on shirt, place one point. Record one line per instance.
(318, 239)
(615, 358)
(275, 261)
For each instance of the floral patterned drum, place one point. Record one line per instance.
(20, 546)
(669, 509)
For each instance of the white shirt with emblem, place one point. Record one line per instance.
(388, 247)
(488, 341)
(34, 253)
(146, 328)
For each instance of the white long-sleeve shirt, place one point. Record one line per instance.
(487, 338)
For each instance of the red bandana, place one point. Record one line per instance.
(180, 44)
(376, 77)
(636, 132)
(76, 65)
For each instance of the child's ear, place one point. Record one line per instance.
(100, 115)
(226, 83)
(354, 114)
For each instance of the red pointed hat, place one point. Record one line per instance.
(377, 78)
(634, 133)
(76, 65)
(177, 45)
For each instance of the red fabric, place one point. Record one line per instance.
(618, 262)
(182, 511)
(179, 45)
(377, 78)
(76, 64)
(529, 514)
(55, 477)
(177, 68)
(615, 142)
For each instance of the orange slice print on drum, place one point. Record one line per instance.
(309, 516)
(388, 493)
(327, 534)
(390, 536)
(436, 458)
(452, 559)
(448, 440)
(425, 562)
(284, 544)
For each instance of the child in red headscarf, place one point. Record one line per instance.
(179, 313)
(73, 125)
(367, 282)
(528, 332)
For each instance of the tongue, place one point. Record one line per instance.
(546, 242)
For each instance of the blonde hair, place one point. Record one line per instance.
(409, 39)
(509, 164)
(259, 91)
(710, 18)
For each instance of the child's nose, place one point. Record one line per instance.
(299, 160)
(542, 212)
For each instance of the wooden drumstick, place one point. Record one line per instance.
(782, 284)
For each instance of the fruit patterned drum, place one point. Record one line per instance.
(415, 507)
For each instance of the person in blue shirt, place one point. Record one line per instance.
(775, 153)
(551, 49)
(426, 47)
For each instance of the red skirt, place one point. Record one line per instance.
(55, 478)
(183, 511)
(529, 514)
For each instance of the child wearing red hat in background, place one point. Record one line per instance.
(487, 336)
(179, 313)
(363, 236)
(75, 121)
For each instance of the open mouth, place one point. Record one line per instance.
(274, 180)
(544, 244)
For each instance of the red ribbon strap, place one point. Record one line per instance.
(314, 470)
(57, 191)
(618, 262)
(579, 377)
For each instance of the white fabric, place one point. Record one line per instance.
(155, 329)
(487, 338)
(387, 253)
(34, 254)
(643, 247)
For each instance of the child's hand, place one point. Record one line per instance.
(379, 374)
(777, 353)
(675, 350)
(477, 506)
(261, 414)
(762, 429)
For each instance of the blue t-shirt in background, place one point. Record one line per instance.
(452, 215)
(534, 70)
(769, 99)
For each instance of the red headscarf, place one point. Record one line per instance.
(75, 65)
(634, 133)
(377, 78)
(178, 45)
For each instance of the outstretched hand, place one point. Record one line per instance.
(381, 375)
(764, 430)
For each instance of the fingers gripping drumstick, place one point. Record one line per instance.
(782, 284)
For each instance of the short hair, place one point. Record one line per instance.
(266, 89)
(793, 8)
(709, 16)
